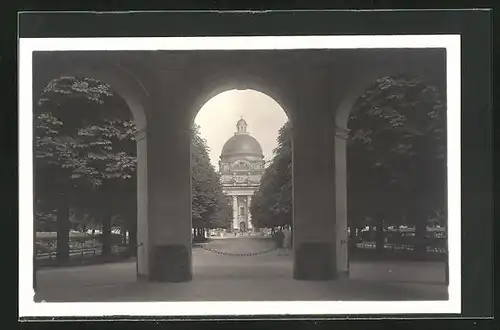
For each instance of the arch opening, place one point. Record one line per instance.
(396, 143)
(214, 85)
(90, 169)
(247, 138)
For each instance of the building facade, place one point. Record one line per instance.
(241, 166)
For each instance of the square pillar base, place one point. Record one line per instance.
(314, 262)
(142, 277)
(343, 274)
(170, 263)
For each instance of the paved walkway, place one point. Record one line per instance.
(225, 278)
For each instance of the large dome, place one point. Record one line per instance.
(242, 143)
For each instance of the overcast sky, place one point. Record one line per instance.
(217, 120)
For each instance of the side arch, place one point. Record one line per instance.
(49, 66)
(361, 82)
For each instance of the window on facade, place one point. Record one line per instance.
(242, 210)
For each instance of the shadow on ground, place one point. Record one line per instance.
(268, 277)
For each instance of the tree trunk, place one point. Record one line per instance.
(124, 235)
(106, 235)
(352, 237)
(195, 234)
(421, 196)
(62, 250)
(420, 236)
(199, 234)
(352, 232)
(132, 238)
(379, 234)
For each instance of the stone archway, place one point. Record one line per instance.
(313, 87)
(49, 66)
(314, 239)
(212, 86)
(434, 71)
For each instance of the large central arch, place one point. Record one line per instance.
(314, 237)
(228, 87)
(216, 83)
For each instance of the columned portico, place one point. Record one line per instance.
(240, 201)
(249, 201)
(241, 167)
(166, 89)
(235, 212)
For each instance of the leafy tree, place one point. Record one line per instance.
(77, 123)
(396, 160)
(116, 193)
(272, 203)
(397, 147)
(209, 204)
(222, 217)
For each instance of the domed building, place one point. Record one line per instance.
(241, 167)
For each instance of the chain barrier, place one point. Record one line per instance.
(235, 254)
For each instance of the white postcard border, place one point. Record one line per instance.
(28, 308)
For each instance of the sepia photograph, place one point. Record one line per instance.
(240, 175)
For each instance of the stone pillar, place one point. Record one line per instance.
(341, 202)
(169, 187)
(235, 212)
(314, 236)
(142, 205)
(249, 214)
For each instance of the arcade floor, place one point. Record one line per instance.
(265, 277)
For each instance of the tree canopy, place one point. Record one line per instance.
(83, 129)
(210, 208)
(272, 203)
(397, 145)
(395, 158)
(84, 152)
